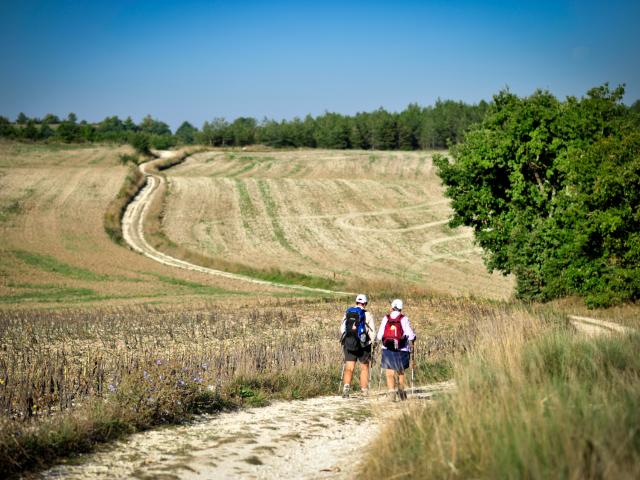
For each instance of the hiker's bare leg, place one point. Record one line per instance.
(348, 372)
(401, 380)
(364, 375)
(391, 382)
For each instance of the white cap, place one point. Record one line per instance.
(362, 298)
(397, 304)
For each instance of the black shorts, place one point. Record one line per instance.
(362, 354)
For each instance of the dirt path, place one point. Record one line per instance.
(593, 327)
(133, 233)
(303, 439)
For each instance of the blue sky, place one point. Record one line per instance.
(196, 60)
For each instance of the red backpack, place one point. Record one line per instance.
(393, 336)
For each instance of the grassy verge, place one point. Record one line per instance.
(51, 264)
(133, 183)
(555, 406)
(144, 399)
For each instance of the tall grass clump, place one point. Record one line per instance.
(133, 182)
(532, 402)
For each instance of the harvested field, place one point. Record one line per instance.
(360, 218)
(54, 248)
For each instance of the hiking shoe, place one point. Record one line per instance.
(402, 395)
(391, 395)
(365, 392)
(345, 391)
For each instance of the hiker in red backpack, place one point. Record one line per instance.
(356, 332)
(397, 339)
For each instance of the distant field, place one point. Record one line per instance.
(54, 248)
(361, 218)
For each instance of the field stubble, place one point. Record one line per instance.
(335, 215)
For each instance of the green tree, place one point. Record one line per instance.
(409, 123)
(50, 118)
(216, 133)
(68, 131)
(87, 132)
(384, 133)
(243, 130)
(186, 134)
(331, 131)
(30, 131)
(6, 129)
(111, 129)
(22, 119)
(46, 131)
(154, 127)
(129, 125)
(517, 180)
(140, 142)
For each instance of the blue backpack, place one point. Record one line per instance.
(355, 333)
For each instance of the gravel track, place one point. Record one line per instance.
(303, 439)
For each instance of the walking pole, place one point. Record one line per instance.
(413, 361)
(380, 376)
(371, 360)
(341, 377)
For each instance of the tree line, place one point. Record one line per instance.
(552, 191)
(432, 127)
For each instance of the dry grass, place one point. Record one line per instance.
(533, 401)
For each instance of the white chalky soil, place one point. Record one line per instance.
(317, 438)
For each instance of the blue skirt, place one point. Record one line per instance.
(397, 361)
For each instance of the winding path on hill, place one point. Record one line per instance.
(133, 234)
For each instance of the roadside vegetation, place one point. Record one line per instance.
(532, 402)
